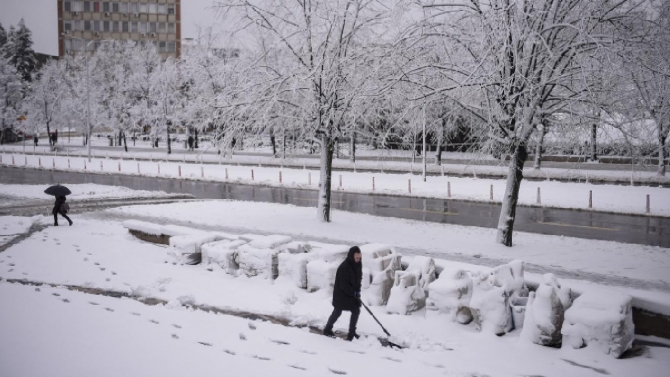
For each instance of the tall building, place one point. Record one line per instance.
(147, 21)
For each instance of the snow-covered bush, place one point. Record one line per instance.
(410, 287)
(604, 320)
(381, 261)
(187, 249)
(490, 305)
(223, 254)
(451, 294)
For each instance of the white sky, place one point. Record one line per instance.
(42, 19)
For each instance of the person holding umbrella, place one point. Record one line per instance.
(60, 207)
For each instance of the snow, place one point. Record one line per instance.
(410, 287)
(544, 316)
(605, 321)
(85, 191)
(14, 226)
(293, 267)
(254, 261)
(100, 254)
(187, 248)
(380, 261)
(451, 293)
(490, 306)
(606, 197)
(223, 254)
(642, 268)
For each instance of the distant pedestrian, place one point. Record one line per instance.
(347, 292)
(36, 138)
(61, 208)
(190, 143)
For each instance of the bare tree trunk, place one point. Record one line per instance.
(327, 149)
(438, 149)
(273, 141)
(661, 151)
(508, 210)
(352, 147)
(125, 142)
(196, 138)
(283, 144)
(537, 164)
(169, 144)
(594, 130)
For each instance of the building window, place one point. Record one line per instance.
(162, 9)
(162, 27)
(115, 26)
(133, 27)
(123, 7)
(143, 8)
(79, 25)
(171, 28)
(143, 27)
(87, 6)
(96, 6)
(105, 26)
(68, 44)
(133, 8)
(67, 6)
(162, 47)
(152, 8)
(96, 25)
(87, 25)
(172, 46)
(170, 9)
(77, 6)
(67, 25)
(115, 7)
(125, 27)
(105, 7)
(152, 27)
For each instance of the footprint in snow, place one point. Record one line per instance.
(335, 371)
(113, 273)
(38, 290)
(108, 279)
(174, 336)
(261, 358)
(177, 326)
(11, 264)
(280, 342)
(358, 352)
(252, 326)
(109, 309)
(96, 263)
(93, 303)
(154, 321)
(102, 268)
(85, 259)
(308, 352)
(297, 367)
(135, 313)
(25, 273)
(56, 294)
(392, 359)
(58, 243)
(243, 337)
(66, 300)
(2, 261)
(229, 352)
(205, 344)
(10, 270)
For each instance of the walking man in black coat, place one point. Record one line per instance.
(347, 292)
(58, 209)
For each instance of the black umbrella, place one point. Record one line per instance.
(58, 190)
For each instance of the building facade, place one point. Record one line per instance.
(145, 21)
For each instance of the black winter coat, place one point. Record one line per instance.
(59, 201)
(347, 283)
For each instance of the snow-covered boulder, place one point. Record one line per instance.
(223, 254)
(187, 249)
(510, 277)
(451, 294)
(490, 305)
(601, 319)
(257, 262)
(293, 267)
(543, 318)
(382, 261)
(410, 287)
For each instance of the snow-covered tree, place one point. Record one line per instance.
(12, 90)
(46, 95)
(19, 50)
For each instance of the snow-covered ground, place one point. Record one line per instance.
(13, 226)
(611, 198)
(73, 333)
(84, 191)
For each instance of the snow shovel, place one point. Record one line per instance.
(384, 342)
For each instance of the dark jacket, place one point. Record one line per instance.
(59, 202)
(348, 282)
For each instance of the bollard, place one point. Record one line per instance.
(590, 199)
(202, 172)
(226, 173)
(159, 169)
(119, 165)
(309, 179)
(442, 170)
(39, 161)
(448, 189)
(304, 167)
(68, 163)
(53, 163)
(373, 183)
(179, 168)
(252, 174)
(138, 168)
(12, 159)
(539, 198)
(100, 165)
(84, 164)
(1, 159)
(340, 181)
(648, 204)
(409, 185)
(491, 196)
(184, 158)
(25, 161)
(280, 180)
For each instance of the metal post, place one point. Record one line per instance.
(309, 179)
(138, 168)
(424, 142)
(226, 173)
(539, 198)
(202, 172)
(88, 107)
(491, 192)
(449, 189)
(409, 185)
(340, 181)
(179, 168)
(648, 204)
(280, 181)
(590, 199)
(373, 183)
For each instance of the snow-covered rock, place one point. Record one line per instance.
(510, 278)
(187, 249)
(382, 261)
(294, 267)
(544, 317)
(410, 287)
(223, 254)
(603, 320)
(451, 294)
(490, 305)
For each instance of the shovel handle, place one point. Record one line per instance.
(373, 316)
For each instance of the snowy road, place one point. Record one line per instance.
(645, 230)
